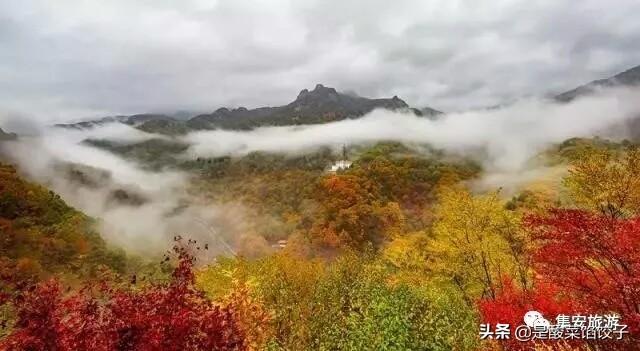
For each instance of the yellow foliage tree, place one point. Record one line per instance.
(477, 241)
(601, 181)
(409, 256)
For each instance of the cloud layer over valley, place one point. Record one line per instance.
(508, 136)
(141, 209)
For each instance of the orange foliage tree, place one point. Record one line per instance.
(352, 215)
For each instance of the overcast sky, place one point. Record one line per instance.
(64, 59)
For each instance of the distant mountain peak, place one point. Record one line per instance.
(430, 112)
(321, 105)
(629, 77)
(319, 92)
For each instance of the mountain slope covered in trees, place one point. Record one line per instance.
(375, 257)
(43, 236)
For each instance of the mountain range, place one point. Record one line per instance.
(630, 77)
(320, 105)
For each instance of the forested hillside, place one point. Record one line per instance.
(42, 236)
(396, 252)
(229, 175)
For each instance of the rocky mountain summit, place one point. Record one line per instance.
(320, 105)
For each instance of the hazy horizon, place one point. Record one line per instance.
(69, 61)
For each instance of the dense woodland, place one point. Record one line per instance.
(399, 252)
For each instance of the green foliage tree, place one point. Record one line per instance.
(349, 303)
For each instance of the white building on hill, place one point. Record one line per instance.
(340, 165)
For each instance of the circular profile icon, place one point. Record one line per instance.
(535, 319)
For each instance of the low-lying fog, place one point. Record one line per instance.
(506, 138)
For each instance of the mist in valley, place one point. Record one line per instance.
(142, 209)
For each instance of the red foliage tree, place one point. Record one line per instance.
(174, 316)
(594, 258)
(584, 263)
(511, 304)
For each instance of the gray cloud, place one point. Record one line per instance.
(69, 59)
(136, 209)
(505, 140)
(508, 137)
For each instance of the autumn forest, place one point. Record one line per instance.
(400, 251)
(320, 175)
